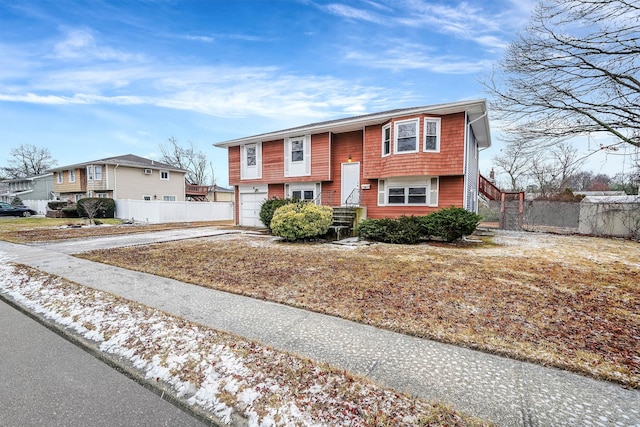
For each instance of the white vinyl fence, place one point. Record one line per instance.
(155, 211)
(39, 206)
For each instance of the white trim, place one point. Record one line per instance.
(431, 184)
(389, 141)
(72, 175)
(302, 167)
(396, 134)
(437, 121)
(162, 172)
(475, 108)
(251, 171)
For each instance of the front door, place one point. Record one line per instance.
(350, 189)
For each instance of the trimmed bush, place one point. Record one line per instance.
(300, 220)
(450, 223)
(269, 207)
(100, 207)
(402, 230)
(70, 212)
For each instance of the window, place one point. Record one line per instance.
(59, 176)
(146, 198)
(102, 195)
(90, 173)
(386, 140)
(169, 198)
(421, 191)
(72, 175)
(297, 150)
(251, 161)
(406, 136)
(98, 172)
(251, 155)
(306, 195)
(164, 175)
(431, 134)
(78, 196)
(297, 156)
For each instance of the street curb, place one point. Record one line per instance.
(159, 388)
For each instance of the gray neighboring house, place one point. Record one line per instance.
(36, 187)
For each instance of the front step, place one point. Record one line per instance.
(343, 221)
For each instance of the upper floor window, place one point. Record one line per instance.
(297, 156)
(386, 140)
(406, 136)
(72, 175)
(94, 172)
(59, 177)
(164, 175)
(251, 161)
(431, 134)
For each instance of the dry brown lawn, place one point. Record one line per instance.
(24, 230)
(566, 301)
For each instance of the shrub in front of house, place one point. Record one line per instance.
(450, 223)
(402, 230)
(269, 207)
(301, 220)
(96, 207)
(70, 211)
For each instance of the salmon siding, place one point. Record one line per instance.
(410, 161)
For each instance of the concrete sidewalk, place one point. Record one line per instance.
(500, 390)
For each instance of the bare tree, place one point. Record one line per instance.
(188, 158)
(553, 171)
(515, 161)
(28, 160)
(91, 208)
(574, 70)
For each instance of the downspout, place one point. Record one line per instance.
(478, 159)
(115, 181)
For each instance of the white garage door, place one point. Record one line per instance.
(250, 204)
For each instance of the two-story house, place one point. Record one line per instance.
(410, 161)
(120, 177)
(35, 187)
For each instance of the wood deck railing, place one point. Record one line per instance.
(488, 189)
(196, 190)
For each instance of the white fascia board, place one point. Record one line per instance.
(356, 123)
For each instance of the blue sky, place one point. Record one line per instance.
(93, 79)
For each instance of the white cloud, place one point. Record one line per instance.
(81, 44)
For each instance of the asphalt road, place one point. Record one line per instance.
(47, 381)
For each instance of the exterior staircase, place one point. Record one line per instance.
(511, 203)
(343, 221)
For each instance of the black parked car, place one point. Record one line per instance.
(9, 210)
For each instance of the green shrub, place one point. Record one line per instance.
(402, 230)
(96, 207)
(300, 220)
(269, 207)
(16, 201)
(70, 212)
(450, 223)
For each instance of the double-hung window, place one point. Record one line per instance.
(386, 140)
(60, 178)
(419, 192)
(98, 173)
(72, 175)
(405, 136)
(164, 175)
(251, 161)
(297, 156)
(432, 135)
